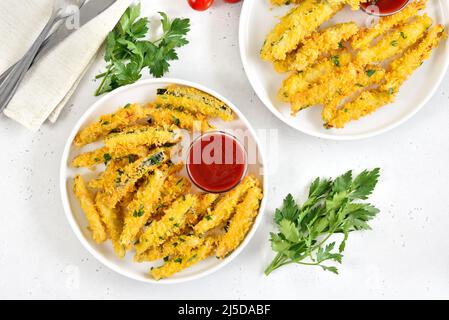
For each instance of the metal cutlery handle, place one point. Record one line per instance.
(12, 81)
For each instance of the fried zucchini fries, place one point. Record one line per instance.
(142, 200)
(285, 2)
(110, 123)
(300, 81)
(403, 67)
(366, 36)
(171, 224)
(178, 263)
(343, 67)
(87, 203)
(142, 207)
(240, 223)
(297, 25)
(395, 42)
(225, 207)
(194, 101)
(322, 42)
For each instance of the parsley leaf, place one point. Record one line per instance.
(331, 209)
(128, 51)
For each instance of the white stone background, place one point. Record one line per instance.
(405, 255)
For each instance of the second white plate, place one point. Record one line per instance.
(258, 18)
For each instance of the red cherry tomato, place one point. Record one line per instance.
(232, 1)
(200, 5)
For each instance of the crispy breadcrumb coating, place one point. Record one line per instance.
(109, 175)
(113, 222)
(322, 42)
(240, 223)
(170, 224)
(126, 142)
(300, 81)
(142, 207)
(108, 123)
(395, 42)
(179, 263)
(328, 87)
(366, 35)
(193, 100)
(298, 24)
(372, 75)
(180, 245)
(182, 119)
(87, 203)
(366, 103)
(225, 207)
(105, 154)
(403, 67)
(285, 2)
(127, 178)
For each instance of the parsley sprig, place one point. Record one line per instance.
(333, 207)
(128, 52)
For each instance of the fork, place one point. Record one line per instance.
(11, 82)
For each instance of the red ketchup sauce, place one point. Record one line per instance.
(384, 7)
(216, 162)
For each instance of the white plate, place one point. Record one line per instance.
(258, 18)
(143, 92)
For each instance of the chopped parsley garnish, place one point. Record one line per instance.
(139, 213)
(370, 72)
(107, 157)
(336, 60)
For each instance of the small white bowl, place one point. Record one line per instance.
(143, 92)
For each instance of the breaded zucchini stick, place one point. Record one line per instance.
(193, 100)
(177, 246)
(395, 42)
(372, 75)
(126, 142)
(300, 81)
(286, 65)
(113, 222)
(225, 207)
(240, 223)
(285, 2)
(87, 203)
(182, 119)
(366, 35)
(179, 263)
(105, 154)
(111, 122)
(322, 42)
(324, 90)
(174, 187)
(170, 224)
(355, 4)
(128, 177)
(205, 202)
(298, 25)
(109, 175)
(143, 206)
(366, 103)
(412, 59)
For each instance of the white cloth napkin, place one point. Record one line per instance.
(51, 81)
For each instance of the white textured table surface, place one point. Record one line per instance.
(405, 255)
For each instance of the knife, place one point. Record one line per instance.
(88, 11)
